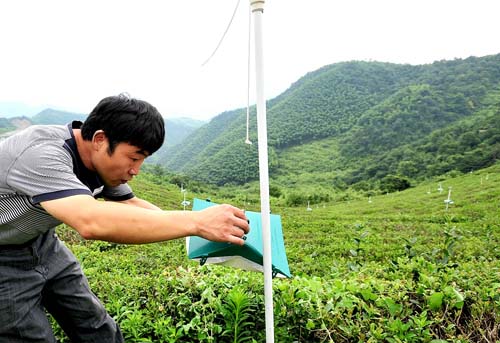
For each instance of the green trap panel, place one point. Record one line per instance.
(247, 257)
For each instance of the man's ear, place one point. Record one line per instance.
(98, 139)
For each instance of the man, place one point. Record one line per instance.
(52, 174)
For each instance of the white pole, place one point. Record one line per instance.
(258, 9)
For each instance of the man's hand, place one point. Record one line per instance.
(222, 223)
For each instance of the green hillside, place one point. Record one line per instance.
(6, 125)
(373, 119)
(397, 267)
(176, 130)
(9, 125)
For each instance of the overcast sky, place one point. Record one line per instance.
(70, 54)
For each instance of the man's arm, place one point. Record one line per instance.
(122, 223)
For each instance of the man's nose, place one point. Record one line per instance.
(135, 168)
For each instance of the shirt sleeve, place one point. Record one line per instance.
(45, 172)
(119, 193)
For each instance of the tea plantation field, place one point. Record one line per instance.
(393, 268)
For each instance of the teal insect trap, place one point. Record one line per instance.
(247, 257)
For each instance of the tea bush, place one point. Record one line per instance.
(399, 269)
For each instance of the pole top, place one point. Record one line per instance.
(257, 5)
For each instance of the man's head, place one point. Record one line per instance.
(126, 120)
(122, 133)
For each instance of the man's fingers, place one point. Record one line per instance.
(225, 223)
(237, 236)
(236, 240)
(237, 232)
(240, 219)
(239, 213)
(243, 224)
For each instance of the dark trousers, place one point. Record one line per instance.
(45, 276)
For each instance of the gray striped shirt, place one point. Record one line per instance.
(38, 164)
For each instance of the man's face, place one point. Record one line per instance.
(119, 167)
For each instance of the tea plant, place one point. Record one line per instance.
(409, 244)
(237, 313)
(446, 253)
(356, 253)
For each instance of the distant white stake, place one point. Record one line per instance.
(448, 201)
(185, 202)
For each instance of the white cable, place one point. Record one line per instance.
(224, 35)
(247, 140)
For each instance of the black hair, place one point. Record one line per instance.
(126, 120)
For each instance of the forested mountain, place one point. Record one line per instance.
(176, 128)
(356, 123)
(50, 116)
(8, 125)
(46, 117)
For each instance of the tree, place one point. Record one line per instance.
(393, 183)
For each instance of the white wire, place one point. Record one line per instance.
(223, 35)
(247, 140)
